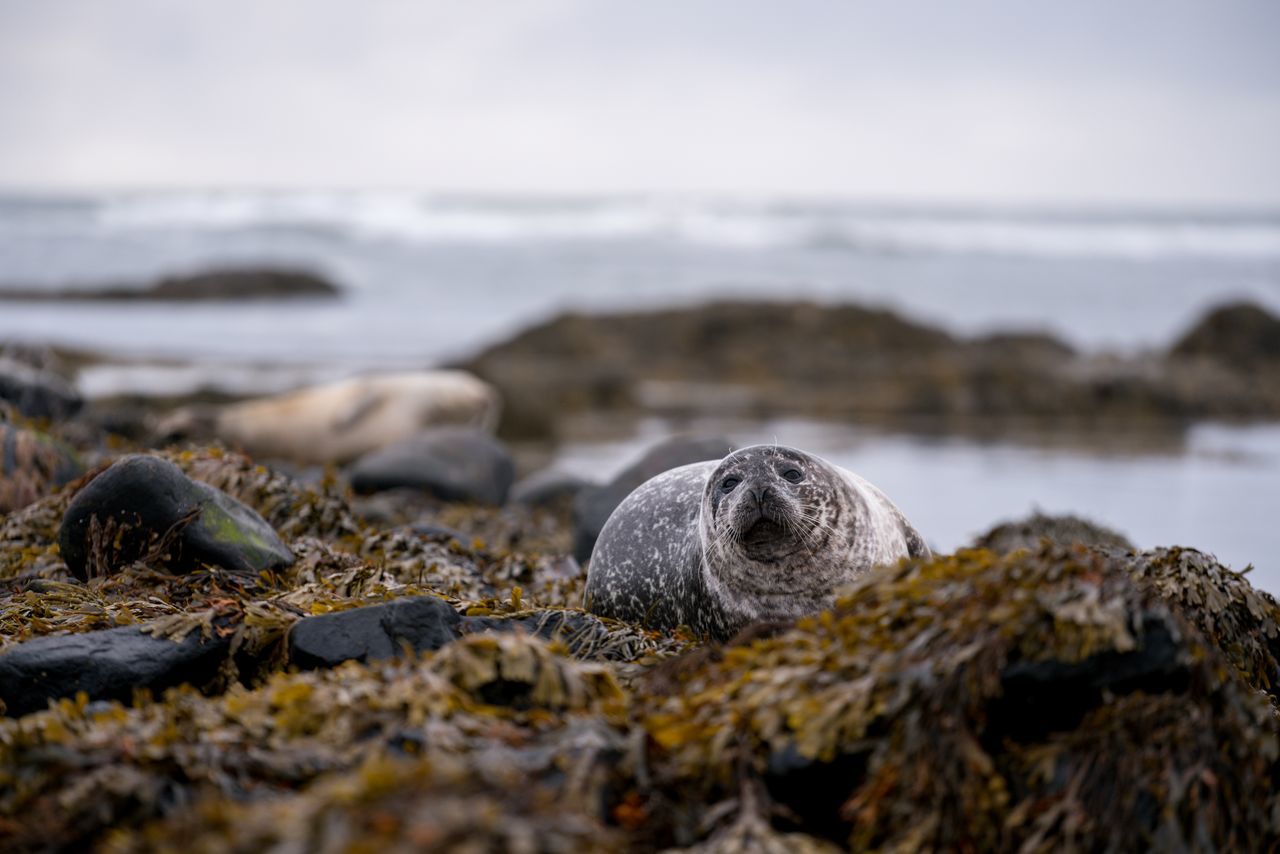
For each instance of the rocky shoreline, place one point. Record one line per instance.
(206, 650)
(867, 366)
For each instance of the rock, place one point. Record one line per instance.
(592, 507)
(337, 422)
(451, 464)
(242, 284)
(1064, 530)
(1241, 335)
(37, 392)
(548, 488)
(144, 507)
(373, 633)
(32, 465)
(776, 359)
(107, 665)
(228, 284)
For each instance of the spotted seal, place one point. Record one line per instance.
(767, 533)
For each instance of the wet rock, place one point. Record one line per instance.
(373, 633)
(847, 363)
(1041, 696)
(1241, 335)
(32, 465)
(37, 392)
(593, 505)
(548, 488)
(1065, 530)
(227, 284)
(106, 665)
(145, 508)
(451, 464)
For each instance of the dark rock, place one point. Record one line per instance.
(846, 363)
(242, 284)
(1041, 696)
(1064, 530)
(107, 665)
(1242, 335)
(229, 284)
(592, 507)
(145, 508)
(372, 633)
(32, 465)
(548, 488)
(37, 392)
(451, 464)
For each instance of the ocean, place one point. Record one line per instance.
(429, 278)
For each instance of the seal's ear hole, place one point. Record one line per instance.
(793, 475)
(729, 484)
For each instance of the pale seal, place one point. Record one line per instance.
(340, 421)
(767, 533)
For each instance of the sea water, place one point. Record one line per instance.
(429, 278)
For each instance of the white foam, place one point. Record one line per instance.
(423, 218)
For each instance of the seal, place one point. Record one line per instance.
(767, 533)
(340, 421)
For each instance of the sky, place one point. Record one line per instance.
(1094, 102)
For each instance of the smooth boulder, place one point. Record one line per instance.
(106, 665)
(144, 507)
(452, 465)
(373, 633)
(592, 506)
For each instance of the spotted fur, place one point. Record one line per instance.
(767, 533)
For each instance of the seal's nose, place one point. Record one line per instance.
(759, 494)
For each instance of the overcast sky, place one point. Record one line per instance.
(1017, 101)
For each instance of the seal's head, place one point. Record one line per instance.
(767, 512)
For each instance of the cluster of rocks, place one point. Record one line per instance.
(868, 366)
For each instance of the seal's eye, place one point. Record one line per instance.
(793, 475)
(729, 484)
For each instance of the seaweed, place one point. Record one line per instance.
(1057, 696)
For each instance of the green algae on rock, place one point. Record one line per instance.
(144, 508)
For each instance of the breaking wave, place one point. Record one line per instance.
(424, 218)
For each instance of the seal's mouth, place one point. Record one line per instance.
(763, 532)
